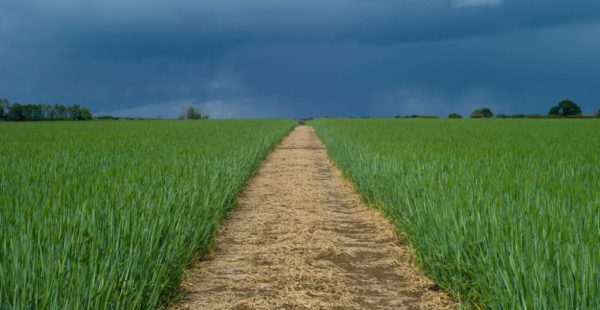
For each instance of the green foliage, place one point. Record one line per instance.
(85, 114)
(16, 112)
(4, 104)
(597, 114)
(192, 113)
(504, 215)
(482, 113)
(454, 115)
(107, 117)
(412, 116)
(565, 108)
(106, 215)
(37, 112)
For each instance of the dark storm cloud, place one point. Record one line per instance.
(301, 58)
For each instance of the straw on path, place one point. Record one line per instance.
(301, 239)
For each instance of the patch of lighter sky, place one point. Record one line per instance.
(474, 3)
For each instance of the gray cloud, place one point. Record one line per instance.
(310, 58)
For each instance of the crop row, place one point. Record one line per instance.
(107, 214)
(503, 214)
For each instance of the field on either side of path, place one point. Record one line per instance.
(106, 214)
(501, 213)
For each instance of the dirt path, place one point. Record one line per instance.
(301, 239)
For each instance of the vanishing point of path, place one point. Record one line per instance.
(301, 239)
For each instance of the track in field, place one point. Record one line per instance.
(301, 239)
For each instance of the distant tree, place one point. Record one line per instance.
(86, 114)
(419, 116)
(565, 108)
(38, 112)
(454, 115)
(27, 111)
(33, 112)
(44, 109)
(107, 117)
(74, 112)
(60, 111)
(482, 113)
(502, 116)
(4, 105)
(598, 114)
(15, 112)
(41, 111)
(191, 113)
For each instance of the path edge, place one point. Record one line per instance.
(402, 236)
(175, 296)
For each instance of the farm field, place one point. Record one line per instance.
(501, 213)
(107, 214)
(300, 238)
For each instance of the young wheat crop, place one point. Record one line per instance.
(107, 214)
(504, 214)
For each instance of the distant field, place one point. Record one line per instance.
(502, 213)
(107, 214)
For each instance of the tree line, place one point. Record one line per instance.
(42, 112)
(566, 108)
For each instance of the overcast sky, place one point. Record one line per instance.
(280, 58)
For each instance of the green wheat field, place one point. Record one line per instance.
(501, 213)
(107, 214)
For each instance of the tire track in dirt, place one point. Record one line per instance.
(301, 239)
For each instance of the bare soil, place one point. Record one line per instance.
(301, 239)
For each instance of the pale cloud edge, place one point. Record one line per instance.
(475, 3)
